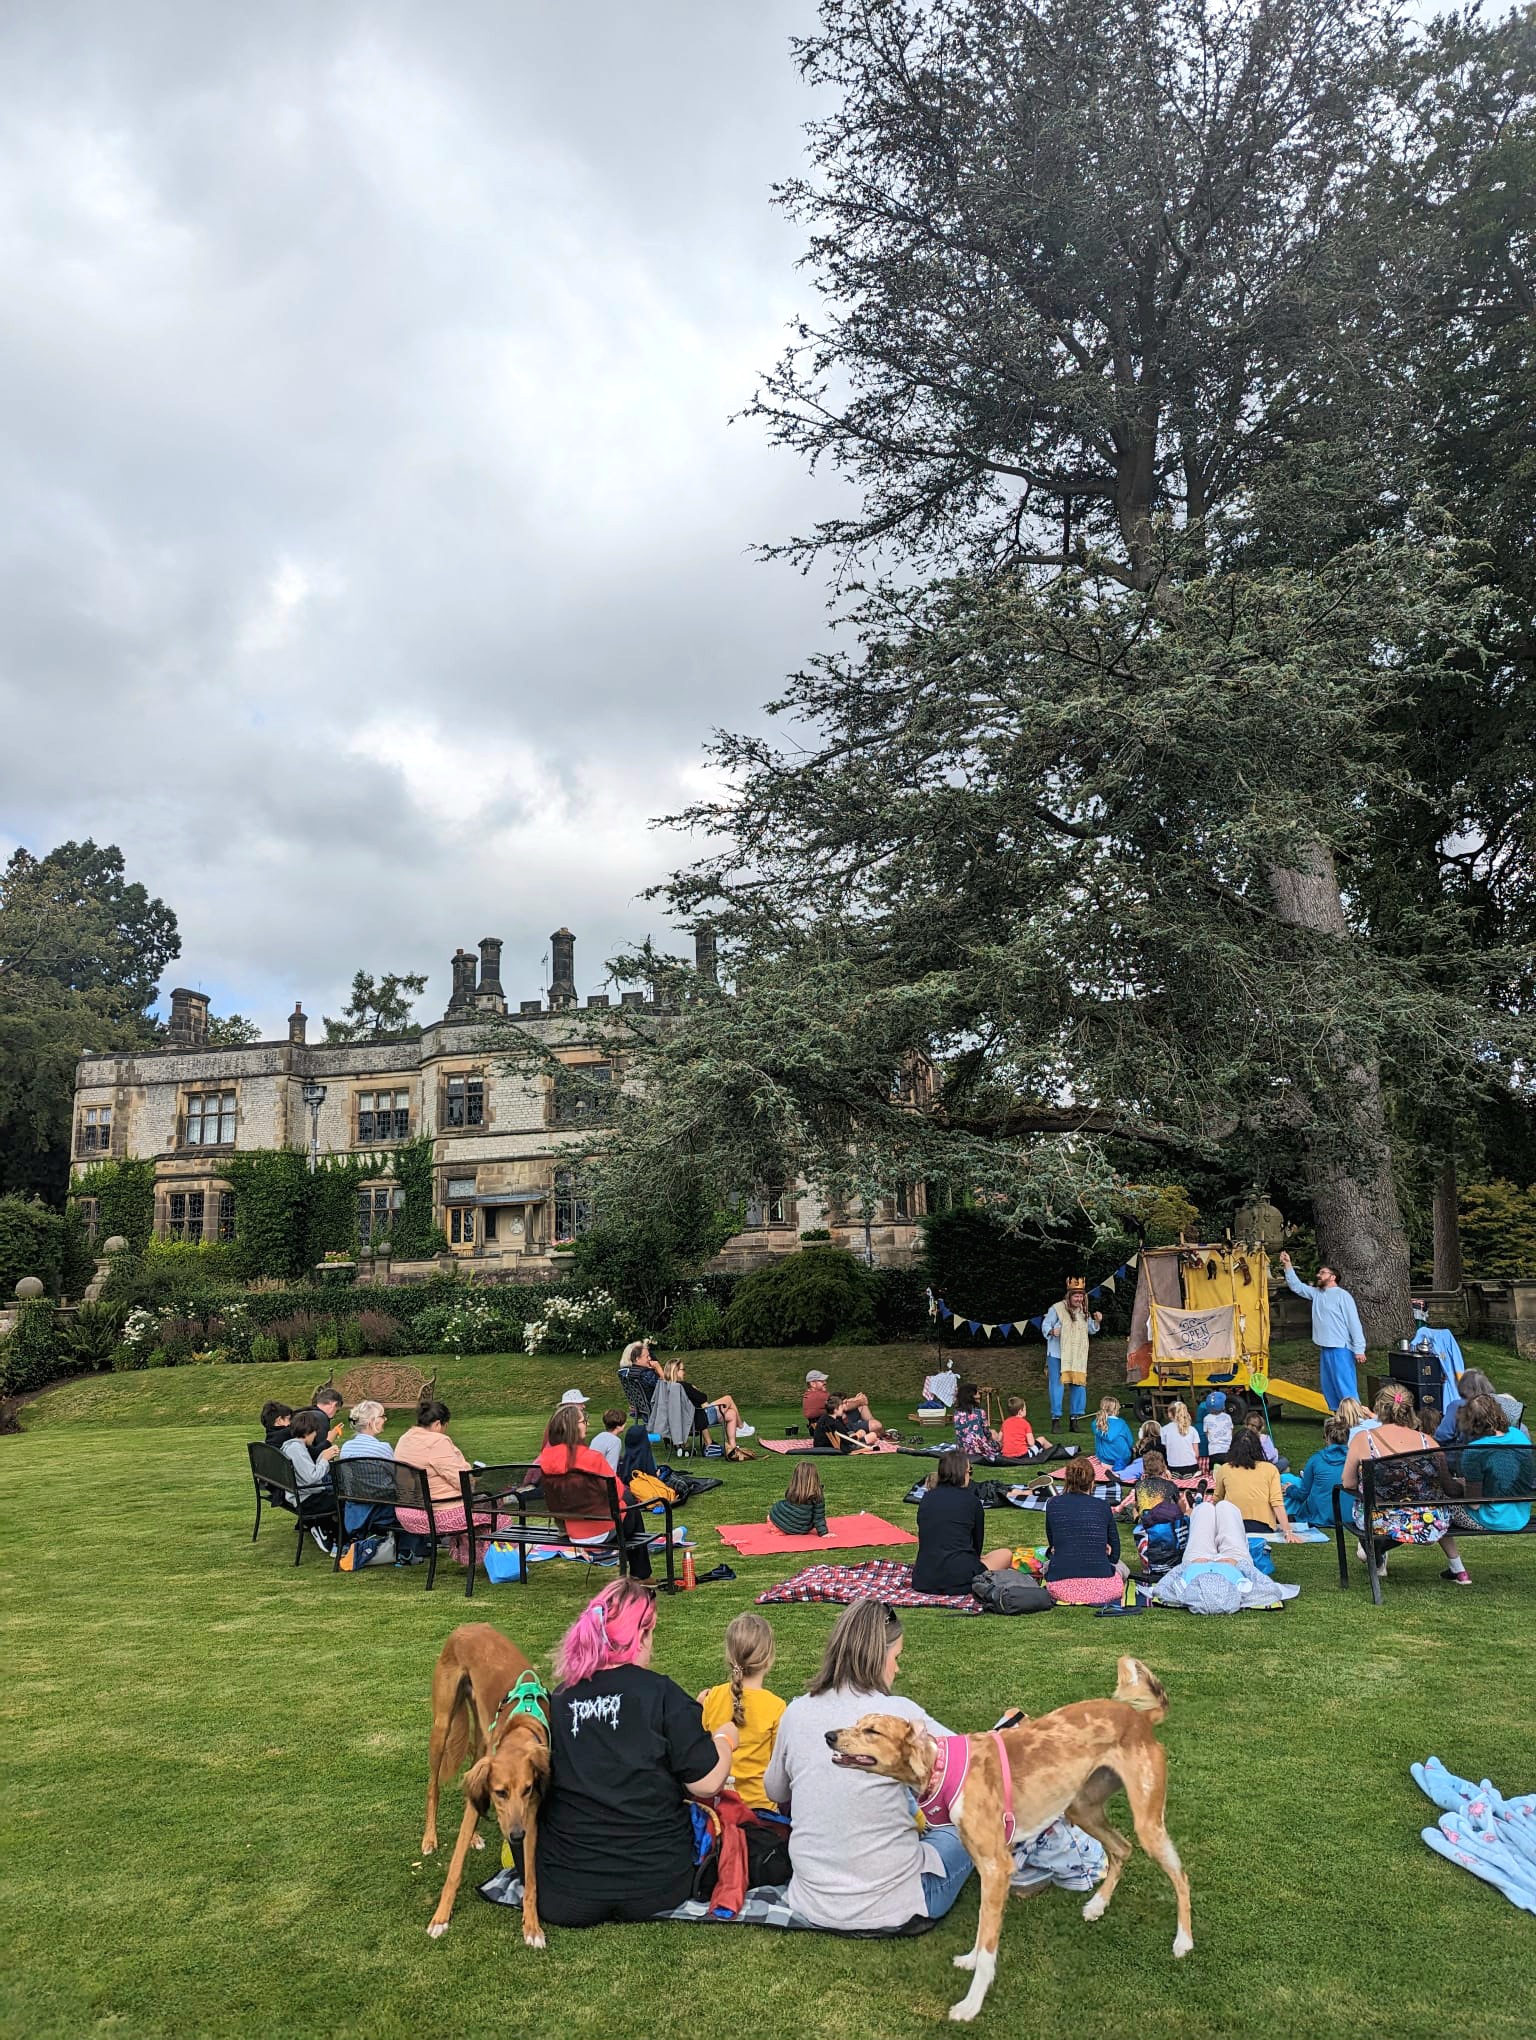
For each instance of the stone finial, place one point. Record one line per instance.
(297, 1025)
(28, 1289)
(116, 1245)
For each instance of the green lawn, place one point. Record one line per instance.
(215, 1773)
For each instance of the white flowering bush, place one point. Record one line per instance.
(594, 1323)
(140, 1330)
(469, 1324)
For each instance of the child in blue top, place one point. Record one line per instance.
(1112, 1439)
(1309, 1495)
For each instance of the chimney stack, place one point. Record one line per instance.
(188, 1027)
(297, 1025)
(705, 958)
(462, 997)
(562, 982)
(490, 995)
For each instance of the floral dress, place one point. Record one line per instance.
(974, 1435)
(1410, 1502)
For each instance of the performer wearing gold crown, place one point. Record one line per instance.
(1068, 1326)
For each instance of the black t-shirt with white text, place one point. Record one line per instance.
(623, 1745)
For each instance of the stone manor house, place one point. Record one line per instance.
(507, 1142)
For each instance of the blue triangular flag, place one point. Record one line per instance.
(973, 1324)
(1096, 1291)
(1005, 1329)
(1037, 1322)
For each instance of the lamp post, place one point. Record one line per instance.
(314, 1098)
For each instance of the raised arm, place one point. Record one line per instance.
(1294, 1283)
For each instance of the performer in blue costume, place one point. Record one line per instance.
(1337, 1332)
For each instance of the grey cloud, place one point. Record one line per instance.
(373, 547)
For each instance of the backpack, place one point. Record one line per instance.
(1010, 1593)
(645, 1487)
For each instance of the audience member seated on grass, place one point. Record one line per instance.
(1083, 1542)
(1309, 1494)
(566, 1452)
(973, 1434)
(609, 1442)
(1157, 1506)
(1412, 1503)
(838, 1427)
(814, 1400)
(628, 1749)
(1474, 1383)
(951, 1531)
(307, 1452)
(1148, 1439)
(745, 1702)
(1112, 1439)
(275, 1420)
(1255, 1423)
(1253, 1484)
(1217, 1575)
(1213, 1420)
(327, 1400)
(427, 1445)
(1181, 1441)
(801, 1511)
(859, 1861)
(1356, 1416)
(1018, 1434)
(710, 1410)
(1497, 1461)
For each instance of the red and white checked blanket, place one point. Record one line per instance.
(878, 1579)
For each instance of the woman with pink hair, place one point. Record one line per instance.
(628, 1750)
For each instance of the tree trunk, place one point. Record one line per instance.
(1354, 1199)
(1447, 1273)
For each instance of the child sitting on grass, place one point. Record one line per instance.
(1112, 1440)
(1267, 1446)
(802, 1508)
(1018, 1438)
(744, 1700)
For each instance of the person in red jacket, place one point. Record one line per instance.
(566, 1452)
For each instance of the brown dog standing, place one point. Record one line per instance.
(1069, 1762)
(479, 1710)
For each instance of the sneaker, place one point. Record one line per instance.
(321, 1539)
(1460, 1579)
(746, 1430)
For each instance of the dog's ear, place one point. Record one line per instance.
(477, 1785)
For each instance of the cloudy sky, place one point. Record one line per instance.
(374, 548)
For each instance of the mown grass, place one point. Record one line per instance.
(215, 1765)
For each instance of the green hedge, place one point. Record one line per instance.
(983, 1271)
(806, 1299)
(29, 1356)
(31, 1243)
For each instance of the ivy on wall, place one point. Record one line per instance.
(125, 1200)
(287, 1219)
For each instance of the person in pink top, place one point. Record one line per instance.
(427, 1445)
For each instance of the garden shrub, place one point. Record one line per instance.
(327, 1346)
(29, 1355)
(91, 1336)
(697, 1324)
(803, 1300)
(349, 1338)
(265, 1350)
(900, 1302)
(125, 1199)
(378, 1332)
(580, 1324)
(31, 1243)
(984, 1271)
(297, 1333)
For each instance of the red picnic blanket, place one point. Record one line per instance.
(876, 1579)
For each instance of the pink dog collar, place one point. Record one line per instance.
(947, 1781)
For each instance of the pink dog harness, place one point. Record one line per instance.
(948, 1781)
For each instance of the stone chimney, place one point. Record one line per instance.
(297, 1024)
(188, 1026)
(490, 995)
(562, 980)
(462, 997)
(705, 958)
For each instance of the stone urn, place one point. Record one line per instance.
(116, 1245)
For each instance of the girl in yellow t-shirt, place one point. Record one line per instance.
(749, 1653)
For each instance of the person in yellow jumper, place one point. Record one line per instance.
(744, 1701)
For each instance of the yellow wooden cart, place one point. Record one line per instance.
(1200, 1321)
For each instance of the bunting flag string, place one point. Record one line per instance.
(938, 1309)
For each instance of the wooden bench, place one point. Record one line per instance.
(390, 1382)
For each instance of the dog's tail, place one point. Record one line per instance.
(1141, 1689)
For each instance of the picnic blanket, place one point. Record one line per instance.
(844, 1533)
(875, 1579)
(826, 1451)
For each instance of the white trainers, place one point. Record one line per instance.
(746, 1430)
